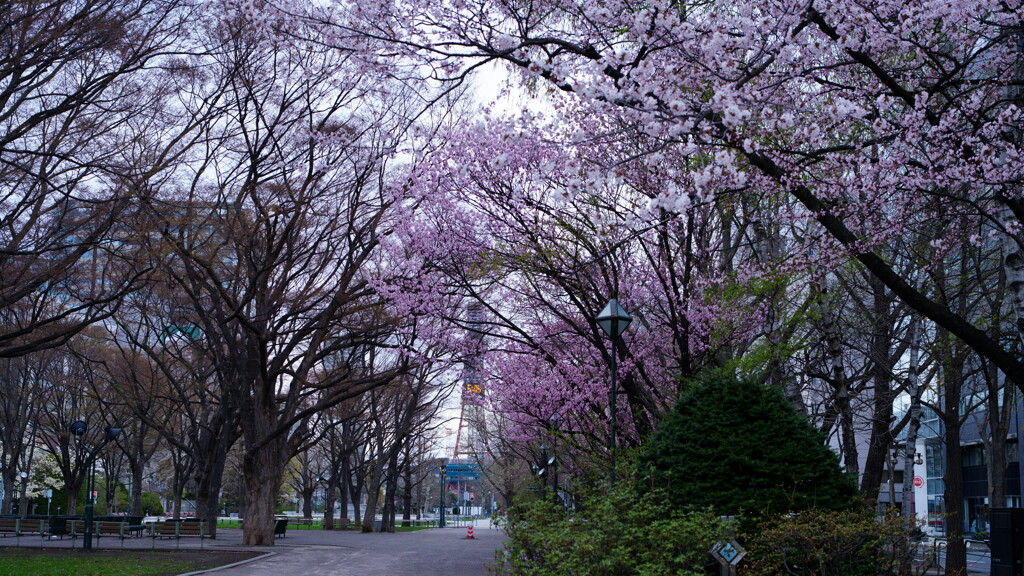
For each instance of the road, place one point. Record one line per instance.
(978, 561)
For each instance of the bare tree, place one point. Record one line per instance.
(22, 382)
(273, 245)
(68, 104)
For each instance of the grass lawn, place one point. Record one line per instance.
(43, 562)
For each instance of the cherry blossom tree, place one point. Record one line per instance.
(873, 117)
(531, 235)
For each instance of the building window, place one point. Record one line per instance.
(973, 455)
(936, 516)
(934, 457)
(934, 470)
(976, 515)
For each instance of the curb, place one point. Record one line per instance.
(232, 565)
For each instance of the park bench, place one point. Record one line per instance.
(117, 528)
(18, 526)
(302, 523)
(178, 530)
(75, 527)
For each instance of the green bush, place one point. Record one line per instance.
(608, 534)
(739, 447)
(151, 504)
(829, 543)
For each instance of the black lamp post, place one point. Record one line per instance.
(555, 421)
(78, 428)
(325, 481)
(23, 498)
(441, 507)
(614, 320)
(892, 478)
(542, 470)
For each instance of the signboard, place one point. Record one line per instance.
(918, 481)
(728, 553)
(462, 472)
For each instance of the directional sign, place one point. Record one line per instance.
(728, 552)
(462, 471)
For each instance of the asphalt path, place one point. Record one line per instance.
(312, 552)
(432, 552)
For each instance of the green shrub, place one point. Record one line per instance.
(608, 534)
(151, 504)
(829, 543)
(739, 447)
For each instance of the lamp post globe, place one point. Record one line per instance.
(613, 320)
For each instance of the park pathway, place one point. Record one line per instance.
(312, 552)
(433, 552)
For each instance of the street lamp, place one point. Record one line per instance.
(441, 507)
(78, 428)
(22, 500)
(542, 471)
(613, 320)
(325, 480)
(555, 422)
(892, 478)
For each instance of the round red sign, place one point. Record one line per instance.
(918, 481)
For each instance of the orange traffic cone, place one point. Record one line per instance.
(469, 534)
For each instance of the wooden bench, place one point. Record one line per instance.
(18, 526)
(178, 530)
(102, 528)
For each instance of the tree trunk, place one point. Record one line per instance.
(137, 469)
(1013, 265)
(998, 410)
(956, 552)
(390, 495)
(7, 478)
(372, 497)
(407, 482)
(837, 369)
(208, 487)
(177, 488)
(343, 492)
(307, 504)
(329, 505)
(880, 370)
(263, 468)
(952, 359)
(356, 489)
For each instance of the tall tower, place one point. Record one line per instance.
(472, 424)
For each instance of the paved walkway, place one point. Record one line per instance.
(431, 552)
